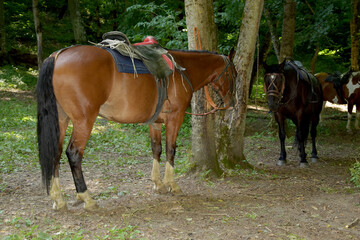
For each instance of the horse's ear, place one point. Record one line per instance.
(232, 54)
(281, 65)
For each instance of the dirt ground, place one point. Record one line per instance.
(273, 202)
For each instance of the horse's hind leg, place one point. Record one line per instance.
(74, 152)
(302, 134)
(357, 117)
(315, 122)
(156, 147)
(55, 190)
(348, 125)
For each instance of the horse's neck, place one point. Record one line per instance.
(200, 67)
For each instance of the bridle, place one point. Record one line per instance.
(228, 76)
(275, 91)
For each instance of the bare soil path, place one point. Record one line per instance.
(272, 202)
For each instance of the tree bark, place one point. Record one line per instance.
(243, 61)
(354, 31)
(77, 25)
(3, 49)
(200, 15)
(38, 30)
(288, 30)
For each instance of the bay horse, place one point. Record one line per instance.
(294, 94)
(82, 82)
(347, 85)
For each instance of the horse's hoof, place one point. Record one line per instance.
(314, 159)
(91, 206)
(281, 163)
(304, 165)
(60, 206)
(160, 189)
(177, 192)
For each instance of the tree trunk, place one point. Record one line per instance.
(200, 15)
(243, 61)
(314, 58)
(78, 28)
(38, 31)
(354, 31)
(288, 30)
(3, 50)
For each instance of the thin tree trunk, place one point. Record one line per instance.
(354, 31)
(78, 28)
(314, 58)
(38, 31)
(274, 37)
(288, 30)
(243, 60)
(200, 15)
(3, 49)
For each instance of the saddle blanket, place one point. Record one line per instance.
(124, 63)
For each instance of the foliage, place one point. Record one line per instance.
(29, 229)
(355, 174)
(319, 23)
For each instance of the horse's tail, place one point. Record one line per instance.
(48, 123)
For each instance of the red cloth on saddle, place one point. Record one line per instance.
(151, 40)
(148, 40)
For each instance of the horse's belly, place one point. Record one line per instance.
(130, 103)
(123, 114)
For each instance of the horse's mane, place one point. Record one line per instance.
(193, 51)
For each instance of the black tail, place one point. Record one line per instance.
(48, 123)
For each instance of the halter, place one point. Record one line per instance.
(275, 92)
(230, 78)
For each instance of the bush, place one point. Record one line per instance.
(355, 174)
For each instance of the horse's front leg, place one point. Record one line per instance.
(282, 134)
(172, 129)
(155, 135)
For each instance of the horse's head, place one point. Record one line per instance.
(223, 84)
(274, 85)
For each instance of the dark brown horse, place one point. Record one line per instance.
(346, 85)
(82, 82)
(293, 93)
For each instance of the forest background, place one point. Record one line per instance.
(320, 25)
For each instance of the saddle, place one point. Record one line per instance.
(304, 75)
(146, 57)
(155, 58)
(338, 82)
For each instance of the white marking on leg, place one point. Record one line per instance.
(55, 195)
(169, 179)
(155, 177)
(90, 204)
(348, 127)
